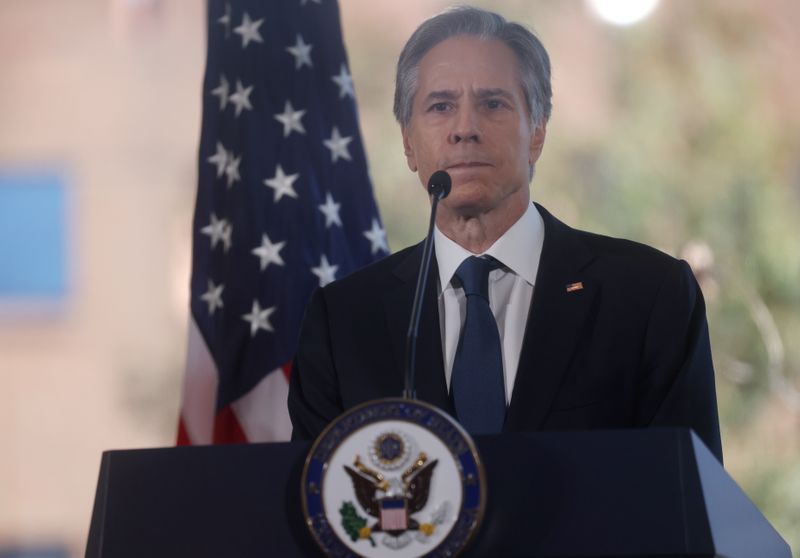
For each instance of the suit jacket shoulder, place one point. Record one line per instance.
(376, 276)
(628, 348)
(614, 257)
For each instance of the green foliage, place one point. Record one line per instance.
(352, 522)
(701, 147)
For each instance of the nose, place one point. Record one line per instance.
(465, 127)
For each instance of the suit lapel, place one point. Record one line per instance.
(555, 320)
(429, 380)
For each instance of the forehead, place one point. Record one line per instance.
(467, 61)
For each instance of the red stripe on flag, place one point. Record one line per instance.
(227, 429)
(183, 436)
(287, 370)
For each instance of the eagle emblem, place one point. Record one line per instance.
(393, 477)
(391, 501)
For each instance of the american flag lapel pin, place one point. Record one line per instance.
(572, 287)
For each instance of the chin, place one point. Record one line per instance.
(466, 187)
(467, 201)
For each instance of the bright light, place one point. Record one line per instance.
(623, 12)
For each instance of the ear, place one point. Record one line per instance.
(537, 143)
(411, 158)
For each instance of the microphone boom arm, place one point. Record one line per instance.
(439, 187)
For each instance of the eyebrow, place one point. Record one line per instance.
(497, 92)
(441, 95)
(483, 93)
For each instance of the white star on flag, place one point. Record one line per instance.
(225, 20)
(213, 296)
(249, 30)
(232, 169)
(269, 252)
(345, 82)
(301, 52)
(290, 119)
(215, 229)
(258, 318)
(222, 91)
(377, 236)
(220, 159)
(282, 184)
(325, 271)
(227, 234)
(241, 99)
(338, 145)
(331, 211)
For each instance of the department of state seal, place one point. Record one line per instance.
(393, 477)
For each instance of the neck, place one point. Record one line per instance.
(477, 232)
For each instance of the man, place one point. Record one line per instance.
(527, 324)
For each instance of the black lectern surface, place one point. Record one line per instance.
(654, 492)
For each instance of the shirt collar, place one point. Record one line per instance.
(519, 249)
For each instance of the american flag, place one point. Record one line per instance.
(284, 205)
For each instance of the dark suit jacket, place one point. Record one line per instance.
(629, 349)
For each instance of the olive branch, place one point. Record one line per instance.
(353, 523)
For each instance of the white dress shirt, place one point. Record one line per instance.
(510, 290)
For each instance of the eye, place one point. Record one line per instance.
(494, 104)
(439, 107)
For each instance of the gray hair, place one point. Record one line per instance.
(533, 61)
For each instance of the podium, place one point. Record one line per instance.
(649, 492)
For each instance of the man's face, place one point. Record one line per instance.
(469, 118)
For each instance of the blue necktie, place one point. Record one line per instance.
(477, 378)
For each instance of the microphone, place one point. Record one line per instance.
(439, 185)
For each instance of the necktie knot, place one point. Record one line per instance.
(474, 275)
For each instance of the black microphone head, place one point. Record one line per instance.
(439, 184)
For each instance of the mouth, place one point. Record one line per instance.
(467, 165)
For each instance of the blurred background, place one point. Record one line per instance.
(680, 129)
